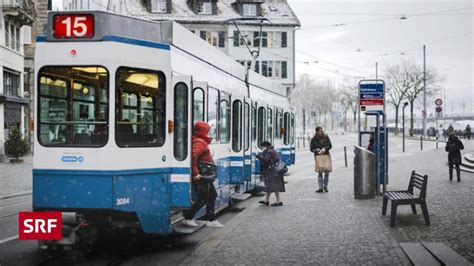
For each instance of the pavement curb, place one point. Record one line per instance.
(24, 193)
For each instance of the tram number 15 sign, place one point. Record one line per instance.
(73, 26)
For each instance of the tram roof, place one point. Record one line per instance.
(109, 26)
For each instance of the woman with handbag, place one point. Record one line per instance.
(320, 146)
(273, 179)
(206, 192)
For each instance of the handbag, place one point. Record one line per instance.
(207, 171)
(323, 163)
(280, 167)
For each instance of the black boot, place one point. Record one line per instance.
(320, 190)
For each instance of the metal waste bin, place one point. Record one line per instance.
(364, 173)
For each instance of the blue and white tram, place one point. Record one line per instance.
(116, 100)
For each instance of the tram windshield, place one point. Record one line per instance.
(73, 105)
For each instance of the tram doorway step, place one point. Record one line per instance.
(180, 228)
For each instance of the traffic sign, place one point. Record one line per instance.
(372, 96)
(438, 102)
(439, 109)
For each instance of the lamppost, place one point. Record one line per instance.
(405, 104)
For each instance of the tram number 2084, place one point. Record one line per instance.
(122, 201)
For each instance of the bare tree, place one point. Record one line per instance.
(349, 99)
(415, 80)
(398, 83)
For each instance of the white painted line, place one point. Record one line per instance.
(5, 240)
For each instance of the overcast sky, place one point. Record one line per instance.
(375, 28)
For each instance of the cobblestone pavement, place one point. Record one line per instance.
(334, 228)
(16, 177)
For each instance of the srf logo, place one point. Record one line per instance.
(40, 226)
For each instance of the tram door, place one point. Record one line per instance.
(181, 130)
(237, 147)
(247, 149)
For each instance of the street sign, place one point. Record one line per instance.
(438, 102)
(371, 96)
(439, 109)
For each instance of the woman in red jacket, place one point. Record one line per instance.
(205, 189)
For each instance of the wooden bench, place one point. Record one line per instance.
(406, 197)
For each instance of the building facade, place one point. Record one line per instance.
(15, 18)
(213, 20)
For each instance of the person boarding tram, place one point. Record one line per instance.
(206, 192)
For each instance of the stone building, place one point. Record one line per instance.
(16, 17)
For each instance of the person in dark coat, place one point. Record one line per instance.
(454, 147)
(206, 192)
(468, 132)
(371, 143)
(273, 181)
(320, 145)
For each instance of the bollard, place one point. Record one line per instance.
(436, 142)
(345, 156)
(421, 142)
(304, 143)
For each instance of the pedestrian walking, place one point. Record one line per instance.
(450, 129)
(320, 146)
(273, 179)
(468, 132)
(454, 147)
(206, 192)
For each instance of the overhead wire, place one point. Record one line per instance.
(384, 19)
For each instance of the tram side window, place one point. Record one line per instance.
(292, 131)
(261, 126)
(198, 105)
(180, 121)
(270, 126)
(286, 121)
(277, 124)
(246, 126)
(254, 124)
(224, 119)
(73, 105)
(237, 126)
(213, 112)
(140, 107)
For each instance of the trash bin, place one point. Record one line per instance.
(364, 173)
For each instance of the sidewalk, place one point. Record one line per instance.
(16, 178)
(334, 228)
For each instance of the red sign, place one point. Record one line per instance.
(371, 102)
(73, 26)
(40, 226)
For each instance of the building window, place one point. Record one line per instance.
(204, 8)
(7, 34)
(11, 83)
(270, 39)
(214, 38)
(249, 9)
(158, 6)
(274, 69)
